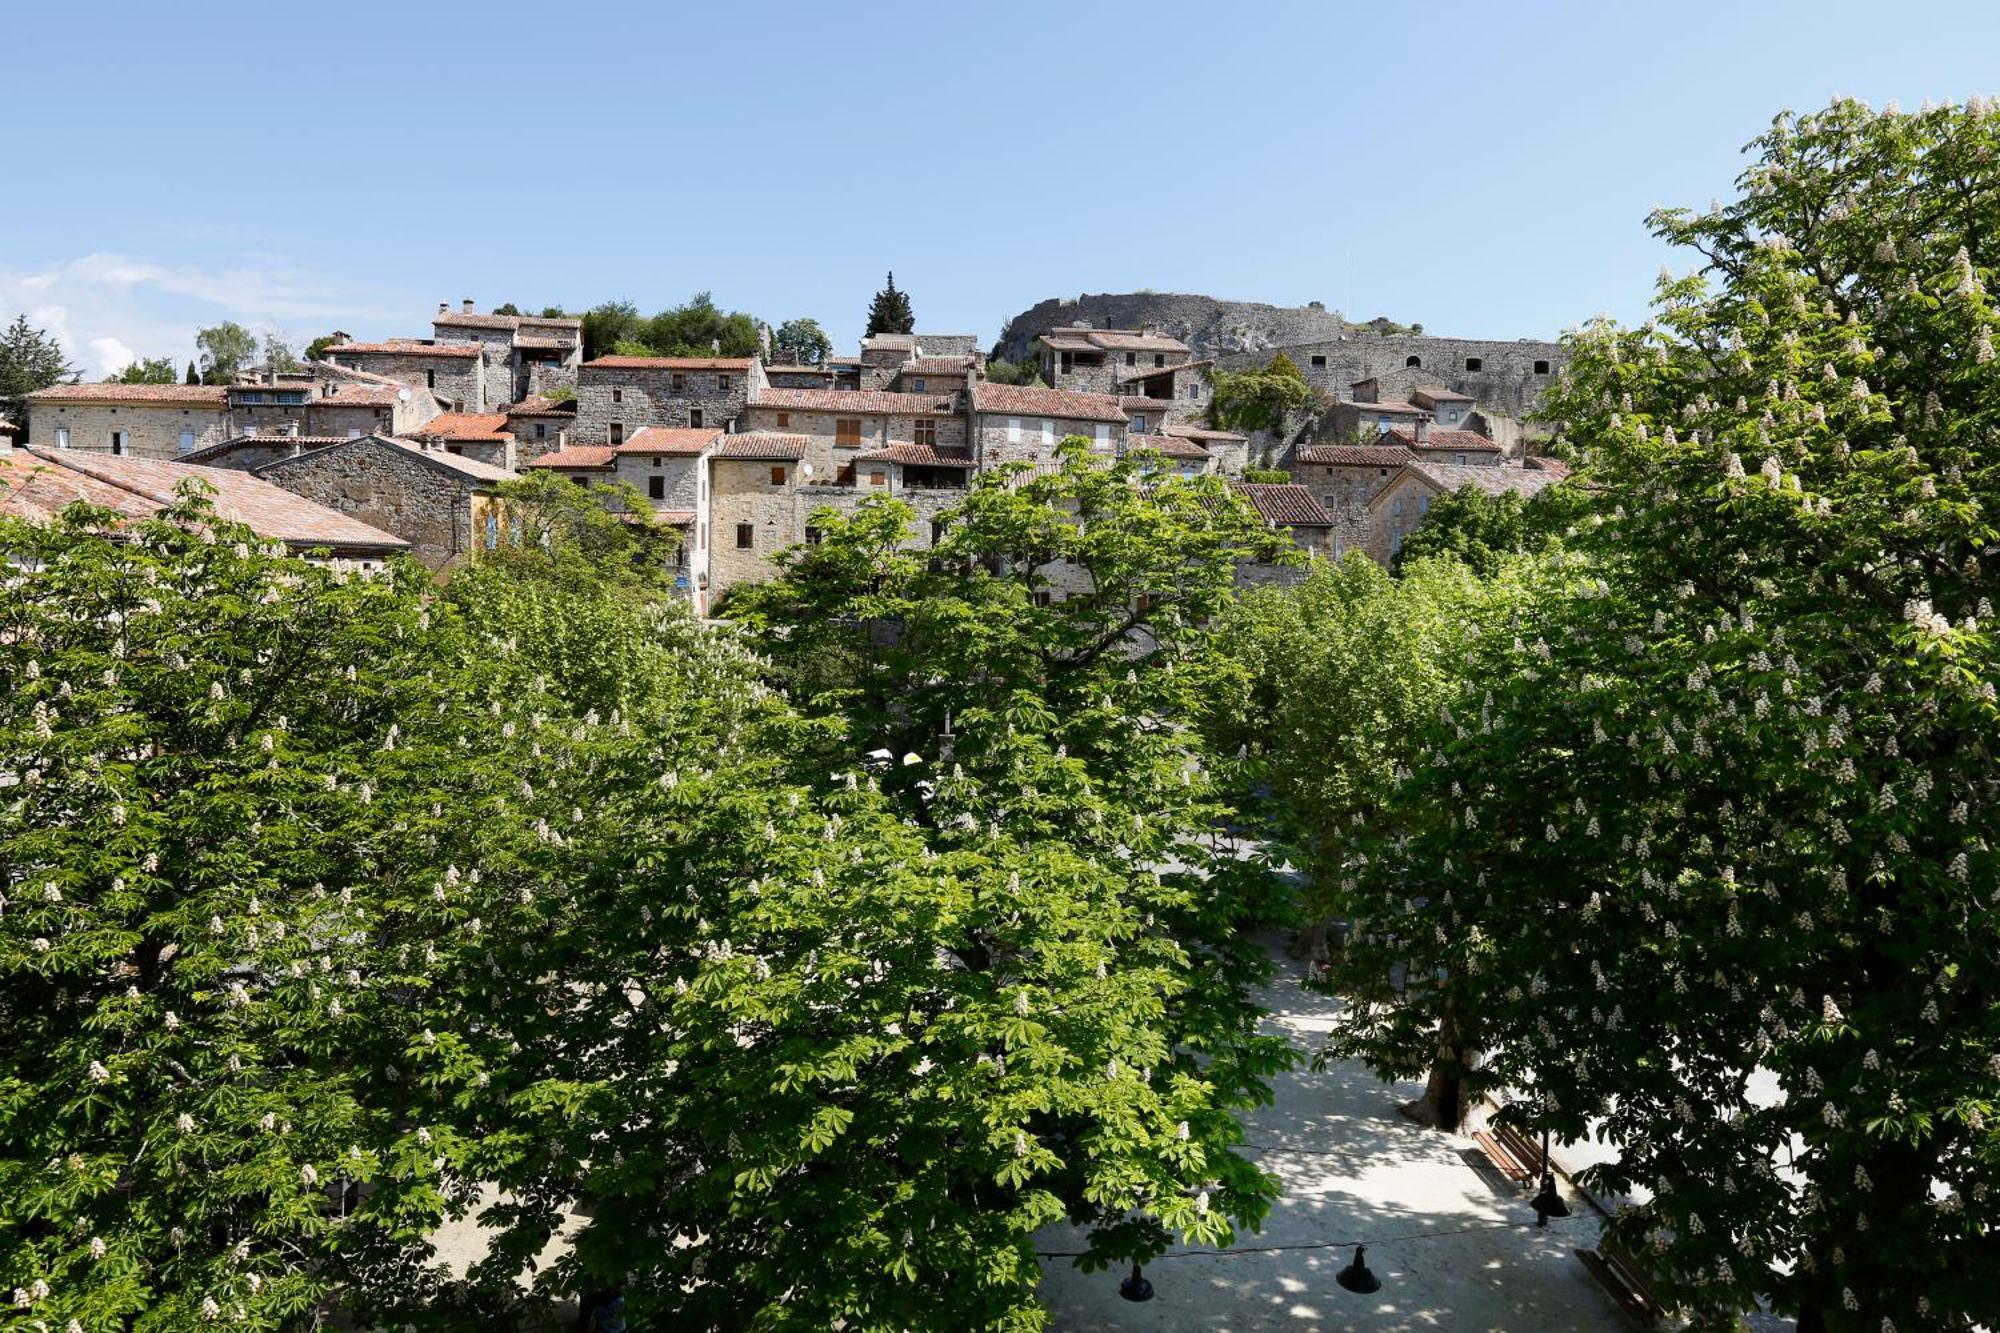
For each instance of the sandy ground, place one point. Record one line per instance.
(1455, 1247)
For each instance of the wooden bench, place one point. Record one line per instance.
(1518, 1159)
(1624, 1278)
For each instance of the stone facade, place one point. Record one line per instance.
(618, 395)
(437, 502)
(137, 420)
(1016, 424)
(1506, 377)
(840, 424)
(454, 372)
(1093, 360)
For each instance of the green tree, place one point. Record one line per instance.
(1260, 399)
(1720, 811)
(225, 349)
(553, 312)
(316, 349)
(608, 324)
(193, 375)
(224, 763)
(1014, 372)
(581, 538)
(1480, 530)
(29, 360)
(804, 341)
(278, 354)
(890, 311)
(149, 370)
(699, 327)
(509, 309)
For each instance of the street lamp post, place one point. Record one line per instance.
(1357, 1276)
(1136, 1287)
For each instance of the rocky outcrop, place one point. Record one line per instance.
(1208, 325)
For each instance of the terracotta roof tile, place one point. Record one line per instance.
(756, 446)
(1285, 505)
(271, 511)
(451, 319)
(1555, 467)
(1354, 455)
(1394, 407)
(667, 363)
(669, 440)
(1204, 433)
(864, 402)
(1450, 441)
(1491, 480)
(190, 395)
(578, 456)
(1111, 340)
(1022, 400)
(1173, 446)
(473, 427)
(407, 347)
(914, 455)
(541, 407)
(939, 365)
(1437, 393)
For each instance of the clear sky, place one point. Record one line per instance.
(1484, 168)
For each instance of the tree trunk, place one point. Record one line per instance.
(1443, 1105)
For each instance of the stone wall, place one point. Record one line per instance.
(741, 493)
(454, 379)
(1208, 325)
(636, 397)
(821, 431)
(1006, 439)
(1507, 377)
(426, 504)
(152, 430)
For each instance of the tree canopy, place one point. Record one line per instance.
(890, 312)
(1259, 399)
(225, 349)
(1481, 530)
(30, 359)
(147, 370)
(803, 341)
(697, 327)
(1701, 859)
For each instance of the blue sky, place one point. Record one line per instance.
(1483, 168)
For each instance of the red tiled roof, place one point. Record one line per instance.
(363, 395)
(756, 446)
(1555, 467)
(938, 365)
(1111, 340)
(669, 440)
(270, 511)
(1172, 446)
(667, 363)
(577, 456)
(1450, 441)
(1394, 407)
(1285, 505)
(407, 347)
(1437, 393)
(1204, 433)
(479, 427)
(464, 321)
(205, 395)
(817, 372)
(1021, 400)
(864, 402)
(1487, 478)
(914, 455)
(1355, 455)
(541, 407)
(675, 518)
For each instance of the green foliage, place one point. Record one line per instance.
(608, 324)
(1015, 372)
(1269, 476)
(1480, 530)
(29, 360)
(508, 309)
(148, 370)
(1252, 400)
(316, 349)
(554, 312)
(890, 311)
(225, 349)
(583, 539)
(1719, 808)
(193, 375)
(278, 354)
(803, 341)
(698, 327)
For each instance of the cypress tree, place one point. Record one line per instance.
(193, 375)
(890, 311)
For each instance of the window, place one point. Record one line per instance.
(1414, 362)
(354, 432)
(454, 448)
(187, 441)
(618, 432)
(1319, 363)
(694, 418)
(1131, 358)
(541, 430)
(847, 431)
(62, 437)
(844, 476)
(1159, 360)
(1043, 597)
(1458, 459)
(1013, 430)
(678, 384)
(617, 395)
(656, 488)
(117, 441)
(1103, 434)
(877, 478)
(746, 536)
(1139, 423)
(492, 530)
(722, 384)
(1541, 367)
(937, 531)
(917, 385)
(812, 536)
(430, 379)
(659, 462)
(778, 476)
(1048, 431)
(924, 432)
(1474, 363)
(784, 420)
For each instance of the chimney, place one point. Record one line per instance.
(1423, 430)
(443, 306)
(468, 305)
(270, 374)
(340, 338)
(292, 428)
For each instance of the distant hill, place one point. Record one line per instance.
(1210, 326)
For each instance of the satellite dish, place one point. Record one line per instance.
(805, 469)
(402, 395)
